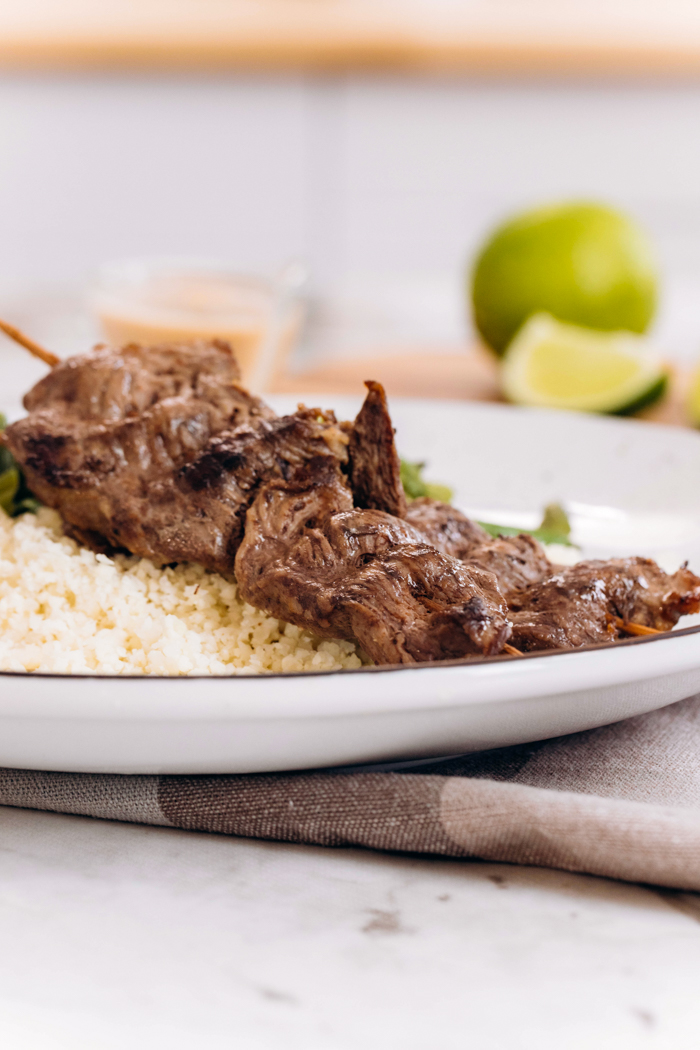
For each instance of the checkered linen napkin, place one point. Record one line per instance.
(622, 801)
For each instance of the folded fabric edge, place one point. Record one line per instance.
(417, 813)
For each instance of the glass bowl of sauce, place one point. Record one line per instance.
(175, 300)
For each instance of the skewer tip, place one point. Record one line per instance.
(37, 351)
(634, 628)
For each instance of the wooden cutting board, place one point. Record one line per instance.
(469, 376)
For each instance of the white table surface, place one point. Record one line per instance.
(120, 936)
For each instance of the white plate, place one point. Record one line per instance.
(633, 489)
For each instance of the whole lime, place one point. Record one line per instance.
(581, 262)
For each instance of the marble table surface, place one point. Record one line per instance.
(120, 936)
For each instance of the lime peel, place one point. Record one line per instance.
(555, 365)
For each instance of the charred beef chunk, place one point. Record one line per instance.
(158, 450)
(445, 527)
(197, 512)
(516, 561)
(310, 558)
(109, 385)
(560, 609)
(375, 470)
(222, 481)
(576, 606)
(106, 432)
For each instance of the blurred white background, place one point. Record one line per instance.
(383, 184)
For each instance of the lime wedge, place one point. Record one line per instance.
(559, 365)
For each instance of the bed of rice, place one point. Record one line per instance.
(65, 609)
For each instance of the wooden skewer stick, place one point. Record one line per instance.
(511, 650)
(634, 628)
(38, 351)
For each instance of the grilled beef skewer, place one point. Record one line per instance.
(590, 602)
(312, 559)
(562, 608)
(516, 561)
(161, 452)
(107, 433)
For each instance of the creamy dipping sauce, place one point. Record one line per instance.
(164, 302)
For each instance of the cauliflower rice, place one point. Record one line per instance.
(65, 609)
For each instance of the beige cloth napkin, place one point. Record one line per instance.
(622, 801)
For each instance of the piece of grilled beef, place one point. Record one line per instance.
(310, 558)
(106, 431)
(220, 484)
(445, 527)
(576, 606)
(516, 561)
(554, 608)
(159, 450)
(374, 466)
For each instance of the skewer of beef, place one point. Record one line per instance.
(161, 451)
(555, 607)
(550, 607)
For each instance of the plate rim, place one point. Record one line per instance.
(490, 683)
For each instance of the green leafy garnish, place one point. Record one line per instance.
(554, 528)
(15, 497)
(9, 484)
(414, 485)
(6, 460)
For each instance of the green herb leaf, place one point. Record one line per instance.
(6, 460)
(29, 505)
(15, 497)
(415, 486)
(9, 486)
(500, 530)
(554, 528)
(442, 492)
